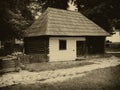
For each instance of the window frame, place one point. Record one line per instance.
(62, 44)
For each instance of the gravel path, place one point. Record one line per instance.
(25, 77)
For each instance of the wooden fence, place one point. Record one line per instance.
(9, 64)
(35, 58)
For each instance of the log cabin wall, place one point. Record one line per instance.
(96, 45)
(37, 47)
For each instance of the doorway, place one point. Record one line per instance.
(80, 46)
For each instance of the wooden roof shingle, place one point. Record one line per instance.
(57, 22)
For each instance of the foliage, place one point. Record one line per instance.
(14, 18)
(35, 8)
(103, 12)
(17, 15)
(61, 4)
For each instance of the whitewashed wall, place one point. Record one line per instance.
(63, 55)
(115, 37)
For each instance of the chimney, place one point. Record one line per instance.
(72, 6)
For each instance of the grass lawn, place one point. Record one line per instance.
(55, 65)
(101, 79)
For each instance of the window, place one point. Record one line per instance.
(62, 44)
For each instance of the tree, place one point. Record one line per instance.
(61, 4)
(14, 18)
(103, 12)
(17, 15)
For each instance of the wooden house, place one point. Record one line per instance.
(61, 35)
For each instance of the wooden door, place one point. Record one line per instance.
(80, 45)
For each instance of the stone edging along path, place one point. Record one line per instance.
(26, 77)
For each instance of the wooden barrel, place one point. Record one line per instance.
(8, 64)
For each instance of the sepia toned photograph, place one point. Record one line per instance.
(60, 45)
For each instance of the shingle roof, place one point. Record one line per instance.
(59, 22)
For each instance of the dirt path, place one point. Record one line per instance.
(25, 77)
